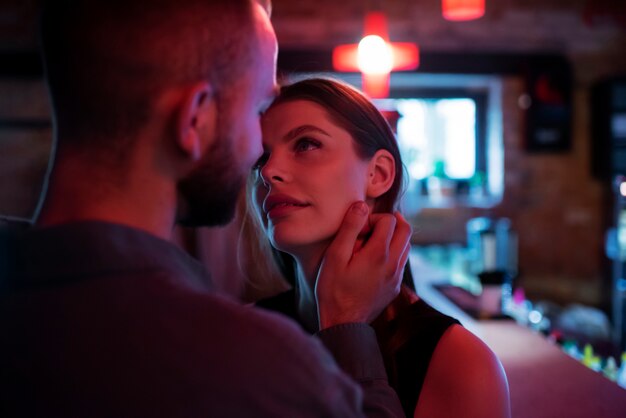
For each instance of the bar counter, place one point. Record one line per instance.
(544, 382)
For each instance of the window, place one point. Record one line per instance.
(441, 135)
(438, 137)
(449, 130)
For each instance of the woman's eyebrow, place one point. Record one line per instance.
(295, 132)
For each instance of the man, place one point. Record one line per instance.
(156, 106)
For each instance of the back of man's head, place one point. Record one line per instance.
(108, 60)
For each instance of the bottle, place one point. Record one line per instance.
(610, 369)
(589, 360)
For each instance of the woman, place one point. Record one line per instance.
(327, 146)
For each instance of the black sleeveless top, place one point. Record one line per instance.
(408, 362)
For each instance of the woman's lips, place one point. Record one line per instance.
(279, 205)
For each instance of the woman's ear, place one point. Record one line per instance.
(197, 120)
(381, 174)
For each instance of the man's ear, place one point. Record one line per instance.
(381, 174)
(196, 120)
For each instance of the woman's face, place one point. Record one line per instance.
(308, 178)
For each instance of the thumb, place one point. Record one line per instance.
(346, 238)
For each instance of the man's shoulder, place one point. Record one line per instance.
(252, 347)
(208, 314)
(10, 229)
(257, 327)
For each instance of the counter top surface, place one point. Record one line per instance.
(544, 382)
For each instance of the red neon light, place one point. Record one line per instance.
(376, 85)
(405, 56)
(376, 24)
(345, 58)
(457, 10)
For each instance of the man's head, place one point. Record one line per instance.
(210, 190)
(114, 65)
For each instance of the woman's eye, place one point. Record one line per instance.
(306, 144)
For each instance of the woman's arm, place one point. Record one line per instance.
(464, 379)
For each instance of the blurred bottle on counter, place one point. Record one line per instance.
(590, 359)
(492, 248)
(440, 186)
(493, 245)
(610, 369)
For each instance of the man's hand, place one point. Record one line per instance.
(358, 279)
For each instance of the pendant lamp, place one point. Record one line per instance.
(459, 10)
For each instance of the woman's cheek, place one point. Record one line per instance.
(347, 198)
(339, 213)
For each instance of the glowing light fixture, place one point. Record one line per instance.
(375, 57)
(622, 188)
(458, 10)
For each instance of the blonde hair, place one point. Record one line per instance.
(263, 277)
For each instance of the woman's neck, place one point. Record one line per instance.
(307, 267)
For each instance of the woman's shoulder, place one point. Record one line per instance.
(465, 352)
(463, 364)
(408, 337)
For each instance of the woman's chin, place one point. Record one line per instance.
(298, 246)
(292, 247)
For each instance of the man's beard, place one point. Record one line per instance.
(209, 193)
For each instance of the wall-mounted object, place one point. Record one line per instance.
(548, 104)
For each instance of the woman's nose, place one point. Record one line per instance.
(273, 170)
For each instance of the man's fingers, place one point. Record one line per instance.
(405, 255)
(383, 226)
(403, 259)
(401, 236)
(351, 227)
(369, 225)
(389, 241)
